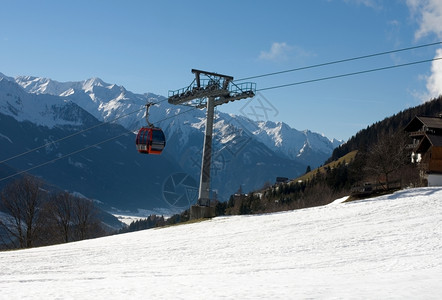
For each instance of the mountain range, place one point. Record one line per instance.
(46, 125)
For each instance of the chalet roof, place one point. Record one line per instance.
(419, 121)
(428, 141)
(435, 140)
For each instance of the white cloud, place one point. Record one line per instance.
(428, 14)
(282, 52)
(434, 81)
(277, 52)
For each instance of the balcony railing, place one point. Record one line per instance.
(417, 133)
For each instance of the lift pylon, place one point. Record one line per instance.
(208, 90)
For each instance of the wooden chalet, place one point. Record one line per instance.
(426, 134)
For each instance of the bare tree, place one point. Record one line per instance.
(60, 211)
(84, 217)
(20, 200)
(387, 156)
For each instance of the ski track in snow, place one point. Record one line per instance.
(387, 247)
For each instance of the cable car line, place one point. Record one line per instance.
(349, 74)
(85, 148)
(69, 136)
(340, 61)
(63, 156)
(75, 134)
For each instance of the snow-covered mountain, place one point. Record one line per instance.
(104, 101)
(306, 146)
(383, 248)
(41, 110)
(242, 147)
(109, 101)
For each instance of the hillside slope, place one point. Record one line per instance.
(387, 247)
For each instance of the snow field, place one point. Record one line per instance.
(388, 247)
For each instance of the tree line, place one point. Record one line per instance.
(31, 216)
(383, 163)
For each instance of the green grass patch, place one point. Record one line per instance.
(345, 159)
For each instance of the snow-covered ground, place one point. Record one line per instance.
(388, 247)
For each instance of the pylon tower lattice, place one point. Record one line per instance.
(209, 90)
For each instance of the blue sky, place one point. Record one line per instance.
(151, 46)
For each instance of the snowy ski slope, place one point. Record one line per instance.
(388, 247)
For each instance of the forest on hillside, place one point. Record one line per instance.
(370, 136)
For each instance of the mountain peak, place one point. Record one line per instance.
(92, 82)
(42, 85)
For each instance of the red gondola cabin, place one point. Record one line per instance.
(150, 140)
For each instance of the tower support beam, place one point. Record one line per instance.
(204, 189)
